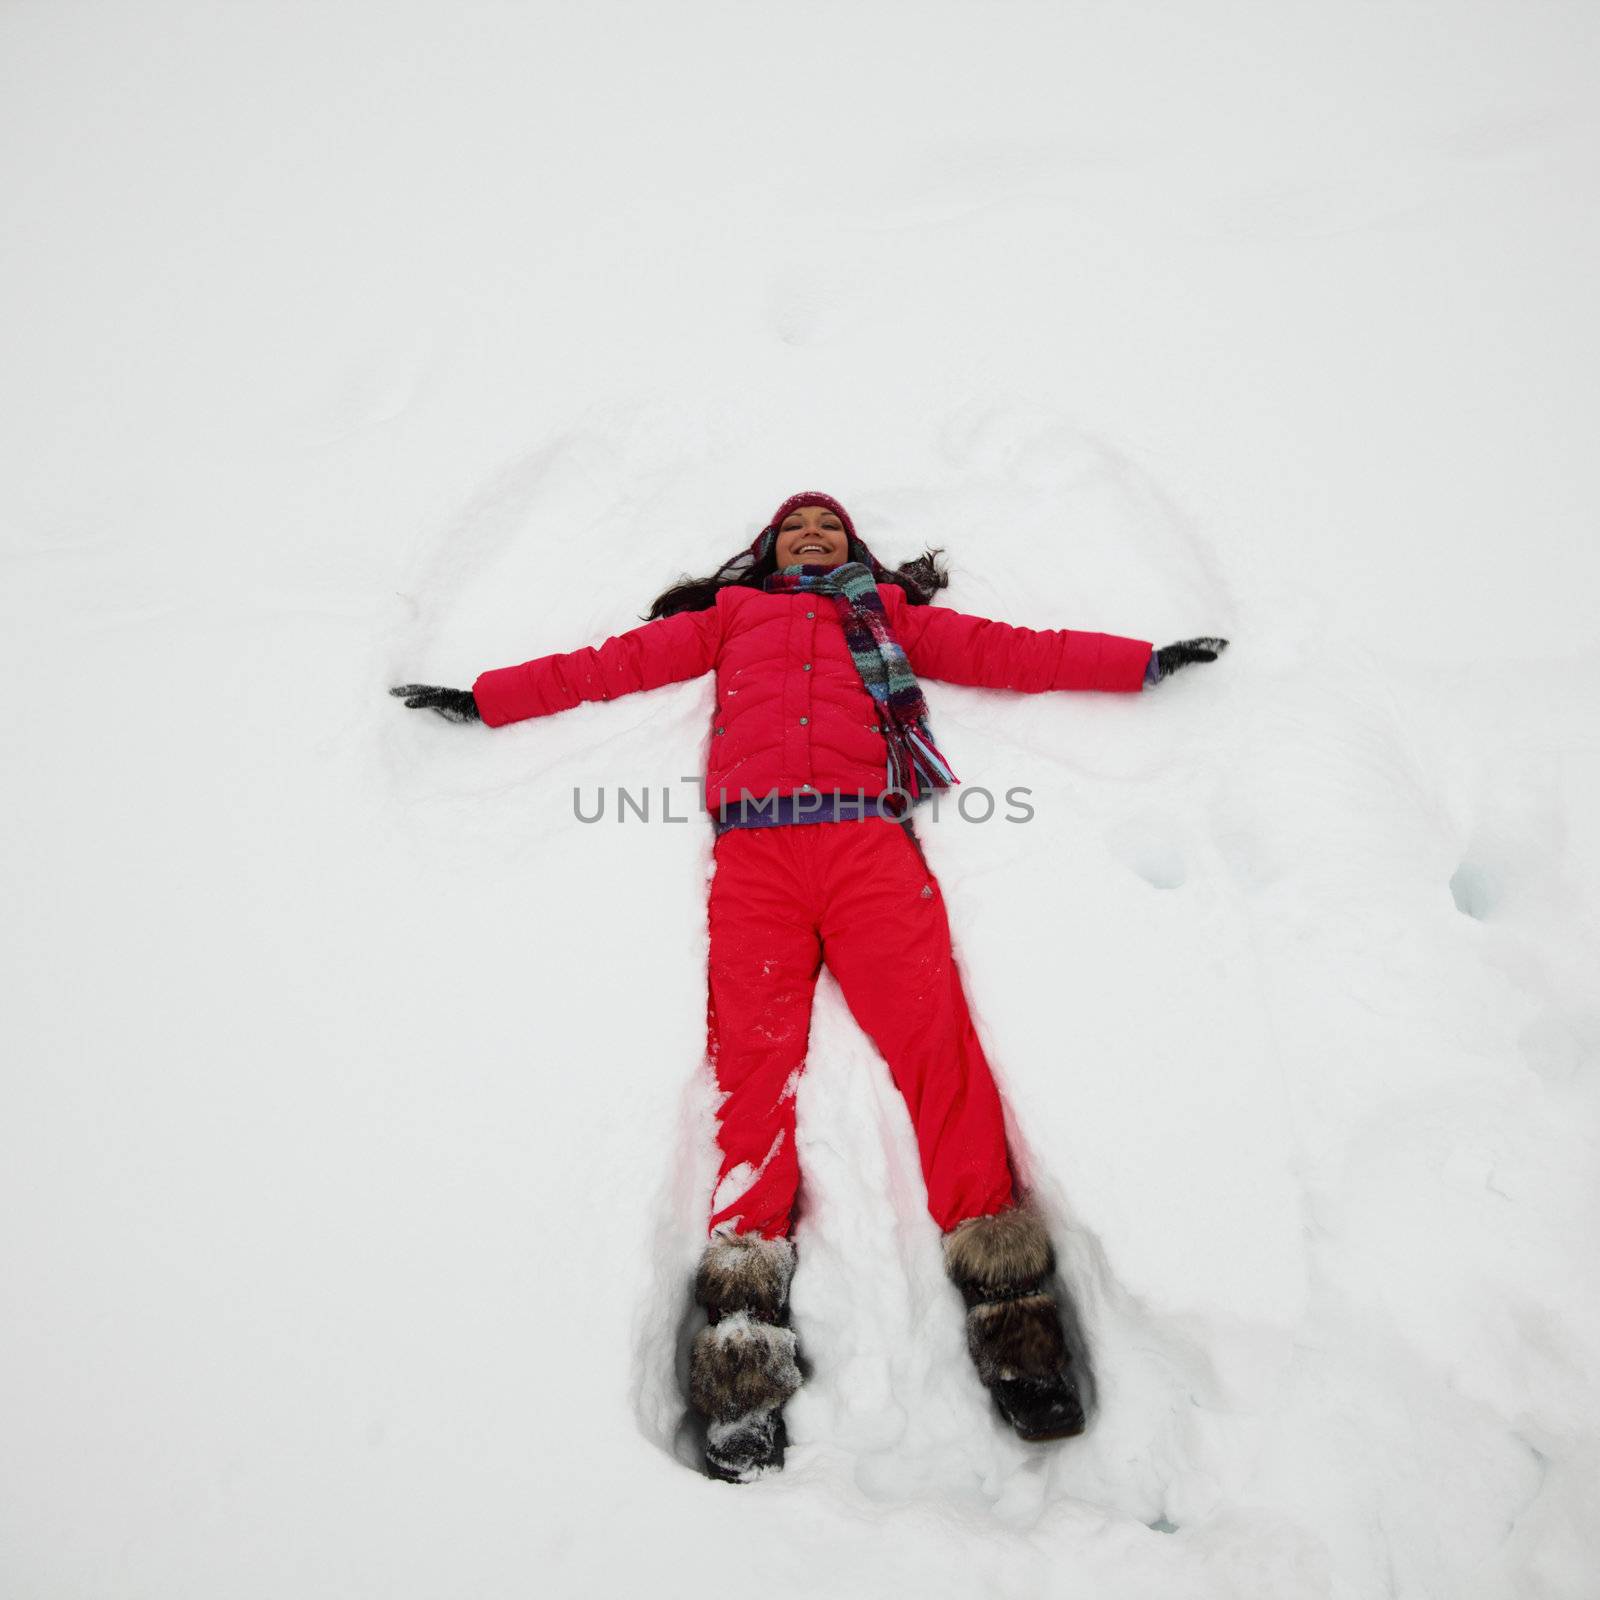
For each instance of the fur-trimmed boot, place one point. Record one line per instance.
(743, 1368)
(1001, 1265)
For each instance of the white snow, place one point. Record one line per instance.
(355, 1147)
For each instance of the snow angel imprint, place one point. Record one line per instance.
(820, 748)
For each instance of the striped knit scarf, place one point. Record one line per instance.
(914, 760)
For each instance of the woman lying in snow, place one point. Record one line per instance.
(819, 748)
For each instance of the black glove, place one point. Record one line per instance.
(1186, 651)
(457, 705)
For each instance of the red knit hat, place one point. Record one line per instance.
(813, 498)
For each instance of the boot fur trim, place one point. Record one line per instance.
(1009, 1250)
(739, 1366)
(744, 1272)
(746, 1448)
(1017, 1339)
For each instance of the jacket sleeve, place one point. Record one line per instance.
(667, 650)
(956, 648)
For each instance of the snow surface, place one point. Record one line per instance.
(355, 1143)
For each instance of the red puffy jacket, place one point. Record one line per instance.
(792, 713)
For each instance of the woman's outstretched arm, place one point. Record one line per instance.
(956, 648)
(667, 650)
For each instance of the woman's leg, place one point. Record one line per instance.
(763, 966)
(886, 938)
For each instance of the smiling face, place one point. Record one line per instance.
(812, 536)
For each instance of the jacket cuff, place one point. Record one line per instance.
(502, 696)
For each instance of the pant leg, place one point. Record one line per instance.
(886, 938)
(763, 966)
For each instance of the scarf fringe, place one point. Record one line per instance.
(915, 762)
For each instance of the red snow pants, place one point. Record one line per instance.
(859, 896)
